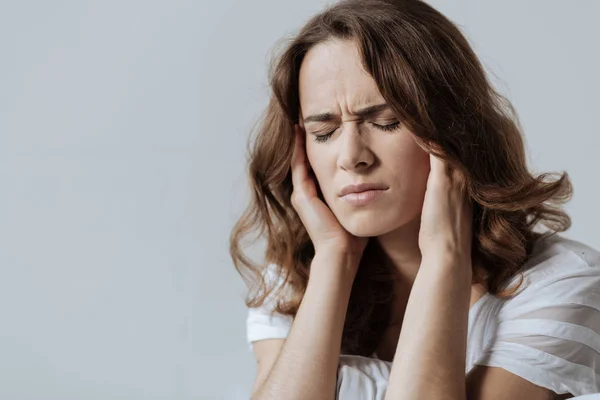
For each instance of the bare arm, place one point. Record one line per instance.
(266, 352)
(430, 355)
(306, 367)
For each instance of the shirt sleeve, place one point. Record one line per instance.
(549, 333)
(263, 322)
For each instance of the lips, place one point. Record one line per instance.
(362, 187)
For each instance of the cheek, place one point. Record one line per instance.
(319, 159)
(421, 171)
(411, 172)
(313, 165)
(412, 164)
(318, 169)
(311, 155)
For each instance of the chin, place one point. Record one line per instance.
(372, 224)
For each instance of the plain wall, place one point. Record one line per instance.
(123, 130)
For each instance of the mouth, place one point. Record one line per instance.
(362, 187)
(363, 198)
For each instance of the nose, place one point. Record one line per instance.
(354, 152)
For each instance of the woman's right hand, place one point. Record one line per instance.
(325, 231)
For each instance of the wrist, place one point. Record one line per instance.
(448, 261)
(338, 264)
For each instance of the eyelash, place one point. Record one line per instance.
(390, 127)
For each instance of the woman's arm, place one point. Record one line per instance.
(431, 353)
(306, 367)
(430, 356)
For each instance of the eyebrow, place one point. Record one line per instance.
(365, 112)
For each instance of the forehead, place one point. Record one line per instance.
(331, 74)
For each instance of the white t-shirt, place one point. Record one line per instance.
(548, 333)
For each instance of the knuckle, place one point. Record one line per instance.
(295, 199)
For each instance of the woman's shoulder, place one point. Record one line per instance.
(557, 261)
(561, 274)
(276, 285)
(583, 253)
(264, 322)
(554, 317)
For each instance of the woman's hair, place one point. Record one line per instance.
(426, 71)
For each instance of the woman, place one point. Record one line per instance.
(404, 257)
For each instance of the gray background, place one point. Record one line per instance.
(123, 128)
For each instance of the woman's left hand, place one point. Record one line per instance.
(447, 216)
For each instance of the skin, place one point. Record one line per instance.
(332, 80)
(423, 222)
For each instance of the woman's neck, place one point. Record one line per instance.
(401, 248)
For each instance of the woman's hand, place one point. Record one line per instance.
(447, 216)
(321, 224)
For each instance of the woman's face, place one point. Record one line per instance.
(333, 81)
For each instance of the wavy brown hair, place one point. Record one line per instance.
(429, 75)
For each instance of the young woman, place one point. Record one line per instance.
(410, 252)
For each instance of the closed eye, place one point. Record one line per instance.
(389, 127)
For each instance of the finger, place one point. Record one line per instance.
(458, 177)
(299, 172)
(438, 166)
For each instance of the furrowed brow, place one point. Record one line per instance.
(365, 112)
